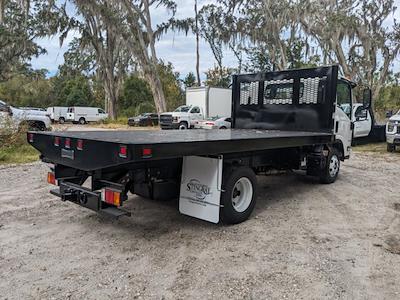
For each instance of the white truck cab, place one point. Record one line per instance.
(201, 103)
(184, 117)
(352, 120)
(14, 117)
(393, 132)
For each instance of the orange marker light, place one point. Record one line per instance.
(117, 198)
(51, 178)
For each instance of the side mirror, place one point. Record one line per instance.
(367, 95)
(389, 113)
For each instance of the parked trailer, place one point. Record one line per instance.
(281, 120)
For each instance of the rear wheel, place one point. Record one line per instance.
(239, 194)
(82, 121)
(222, 127)
(332, 167)
(61, 120)
(183, 126)
(390, 147)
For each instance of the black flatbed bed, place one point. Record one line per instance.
(146, 137)
(101, 148)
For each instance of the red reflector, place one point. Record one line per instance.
(146, 152)
(123, 151)
(79, 145)
(51, 178)
(30, 137)
(56, 141)
(67, 143)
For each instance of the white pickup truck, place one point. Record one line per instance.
(393, 132)
(201, 103)
(15, 117)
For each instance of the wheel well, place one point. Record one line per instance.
(338, 145)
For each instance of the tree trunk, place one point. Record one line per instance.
(2, 8)
(156, 89)
(111, 91)
(197, 44)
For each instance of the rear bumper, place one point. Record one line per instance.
(82, 196)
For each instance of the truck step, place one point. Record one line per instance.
(114, 212)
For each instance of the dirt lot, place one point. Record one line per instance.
(304, 240)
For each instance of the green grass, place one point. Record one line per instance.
(14, 149)
(18, 154)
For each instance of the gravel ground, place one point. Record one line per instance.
(304, 241)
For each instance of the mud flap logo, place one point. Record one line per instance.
(201, 191)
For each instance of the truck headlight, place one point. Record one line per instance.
(176, 119)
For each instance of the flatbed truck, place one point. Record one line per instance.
(286, 120)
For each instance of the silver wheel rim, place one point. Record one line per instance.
(242, 194)
(333, 166)
(182, 127)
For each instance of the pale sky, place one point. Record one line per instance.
(174, 47)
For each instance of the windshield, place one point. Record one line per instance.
(183, 108)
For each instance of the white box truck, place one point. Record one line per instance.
(58, 113)
(201, 103)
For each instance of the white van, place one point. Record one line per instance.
(58, 113)
(83, 115)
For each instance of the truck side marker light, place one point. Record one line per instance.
(67, 143)
(123, 151)
(56, 141)
(51, 178)
(147, 152)
(79, 145)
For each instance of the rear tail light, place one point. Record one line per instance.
(67, 143)
(30, 137)
(79, 145)
(111, 196)
(56, 141)
(147, 152)
(51, 178)
(123, 151)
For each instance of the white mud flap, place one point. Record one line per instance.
(201, 187)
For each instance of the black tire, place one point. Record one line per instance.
(61, 120)
(82, 121)
(222, 127)
(183, 126)
(332, 167)
(391, 147)
(37, 126)
(229, 214)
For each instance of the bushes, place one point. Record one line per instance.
(13, 146)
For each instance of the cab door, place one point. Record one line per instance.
(362, 122)
(195, 115)
(343, 126)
